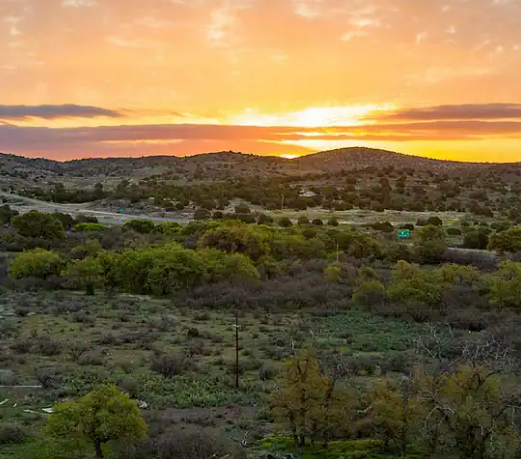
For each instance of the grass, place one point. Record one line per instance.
(123, 333)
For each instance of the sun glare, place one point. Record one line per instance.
(351, 115)
(287, 156)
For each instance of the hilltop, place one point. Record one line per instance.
(22, 171)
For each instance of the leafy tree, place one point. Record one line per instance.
(66, 220)
(476, 239)
(7, 214)
(395, 413)
(473, 414)
(236, 237)
(303, 220)
(90, 249)
(202, 214)
(333, 221)
(430, 244)
(242, 209)
(508, 241)
(37, 263)
(264, 219)
(89, 228)
(39, 225)
(309, 403)
(317, 222)
(332, 273)
(104, 415)
(411, 285)
(434, 221)
(85, 273)
(174, 268)
(222, 266)
(505, 285)
(140, 225)
(284, 222)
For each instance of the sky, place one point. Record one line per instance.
(102, 78)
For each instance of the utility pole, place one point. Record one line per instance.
(236, 326)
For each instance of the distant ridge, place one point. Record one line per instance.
(229, 163)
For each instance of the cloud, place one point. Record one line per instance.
(78, 3)
(50, 112)
(493, 111)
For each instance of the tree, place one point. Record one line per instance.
(37, 224)
(140, 225)
(202, 214)
(7, 214)
(303, 220)
(104, 415)
(236, 237)
(284, 222)
(472, 413)
(476, 239)
(505, 285)
(86, 273)
(89, 228)
(222, 266)
(434, 221)
(311, 404)
(37, 263)
(395, 412)
(173, 268)
(430, 244)
(508, 241)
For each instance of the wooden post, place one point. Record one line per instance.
(237, 347)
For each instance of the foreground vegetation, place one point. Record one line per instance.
(319, 339)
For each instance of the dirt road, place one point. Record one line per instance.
(23, 205)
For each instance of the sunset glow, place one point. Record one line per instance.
(98, 78)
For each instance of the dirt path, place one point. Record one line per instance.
(24, 204)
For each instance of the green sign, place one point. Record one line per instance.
(404, 234)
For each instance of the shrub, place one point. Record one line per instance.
(317, 222)
(140, 225)
(169, 365)
(7, 378)
(89, 228)
(11, 434)
(284, 222)
(39, 225)
(46, 377)
(38, 263)
(453, 231)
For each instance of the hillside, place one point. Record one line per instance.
(21, 171)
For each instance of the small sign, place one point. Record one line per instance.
(404, 234)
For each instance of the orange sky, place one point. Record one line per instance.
(84, 78)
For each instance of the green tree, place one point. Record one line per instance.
(37, 263)
(37, 224)
(311, 404)
(7, 214)
(505, 285)
(89, 228)
(223, 266)
(508, 241)
(86, 273)
(395, 413)
(202, 214)
(236, 237)
(173, 268)
(140, 225)
(430, 244)
(104, 415)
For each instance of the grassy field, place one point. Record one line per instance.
(67, 343)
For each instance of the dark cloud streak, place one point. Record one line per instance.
(455, 112)
(51, 112)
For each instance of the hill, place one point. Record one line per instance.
(21, 171)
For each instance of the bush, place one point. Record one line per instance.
(285, 222)
(140, 225)
(11, 434)
(37, 263)
(89, 228)
(453, 231)
(317, 222)
(169, 365)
